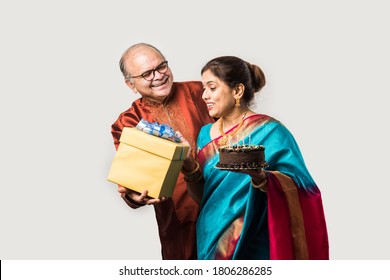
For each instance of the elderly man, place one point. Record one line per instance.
(180, 105)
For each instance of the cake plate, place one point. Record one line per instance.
(263, 165)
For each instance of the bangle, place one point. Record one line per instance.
(262, 186)
(193, 176)
(188, 173)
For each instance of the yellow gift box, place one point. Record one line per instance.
(145, 161)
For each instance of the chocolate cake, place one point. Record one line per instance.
(241, 157)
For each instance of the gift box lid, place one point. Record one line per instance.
(154, 144)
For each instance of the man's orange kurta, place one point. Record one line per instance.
(185, 111)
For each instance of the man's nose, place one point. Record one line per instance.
(157, 75)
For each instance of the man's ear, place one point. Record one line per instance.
(131, 85)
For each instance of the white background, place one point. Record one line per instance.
(327, 68)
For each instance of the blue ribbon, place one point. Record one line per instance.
(160, 130)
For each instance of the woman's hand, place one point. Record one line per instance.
(192, 173)
(258, 175)
(258, 178)
(189, 163)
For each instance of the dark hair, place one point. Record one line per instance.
(122, 65)
(233, 71)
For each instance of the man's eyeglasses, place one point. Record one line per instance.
(149, 74)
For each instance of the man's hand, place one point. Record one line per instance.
(141, 199)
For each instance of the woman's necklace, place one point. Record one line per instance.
(225, 137)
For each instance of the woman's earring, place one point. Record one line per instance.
(238, 102)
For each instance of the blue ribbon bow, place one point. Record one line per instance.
(160, 130)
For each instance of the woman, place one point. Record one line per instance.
(275, 213)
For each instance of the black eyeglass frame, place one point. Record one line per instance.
(152, 71)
